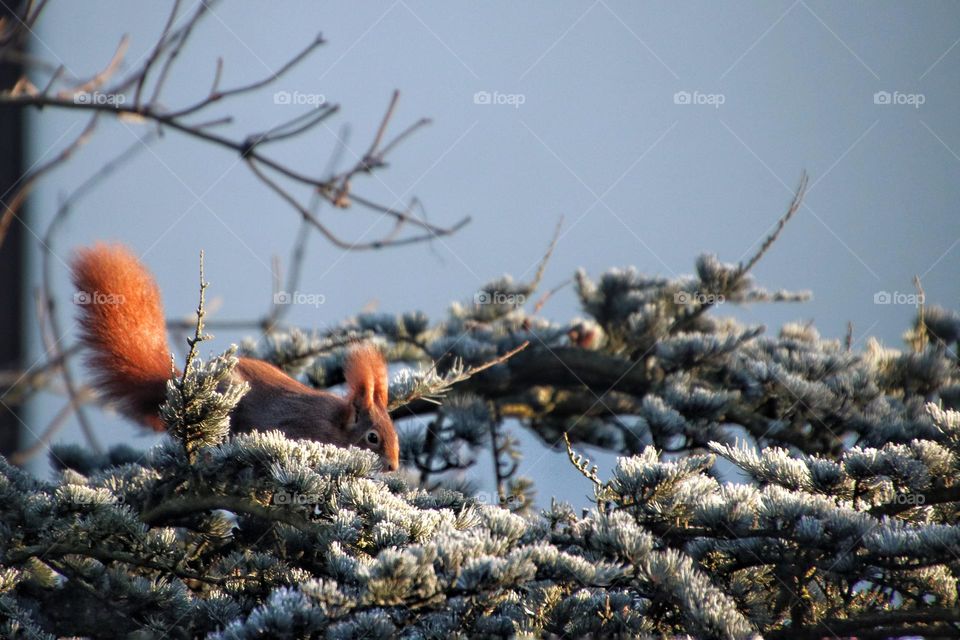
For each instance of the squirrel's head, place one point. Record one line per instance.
(277, 401)
(368, 424)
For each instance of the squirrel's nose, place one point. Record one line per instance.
(389, 465)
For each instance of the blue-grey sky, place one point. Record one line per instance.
(659, 130)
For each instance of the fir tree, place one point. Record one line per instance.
(845, 524)
(846, 527)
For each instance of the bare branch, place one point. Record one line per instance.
(215, 96)
(180, 39)
(106, 73)
(30, 179)
(433, 232)
(155, 53)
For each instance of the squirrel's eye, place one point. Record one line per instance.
(373, 437)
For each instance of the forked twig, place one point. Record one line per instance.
(430, 395)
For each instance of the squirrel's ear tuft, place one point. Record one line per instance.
(366, 372)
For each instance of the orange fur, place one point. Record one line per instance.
(366, 372)
(122, 323)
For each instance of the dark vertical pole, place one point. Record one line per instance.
(12, 251)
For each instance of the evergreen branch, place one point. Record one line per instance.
(432, 386)
(931, 497)
(198, 334)
(823, 537)
(880, 624)
(735, 279)
(45, 552)
(601, 490)
(184, 506)
(197, 411)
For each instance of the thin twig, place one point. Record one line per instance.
(215, 96)
(296, 126)
(28, 181)
(155, 53)
(53, 79)
(107, 72)
(781, 223)
(383, 124)
(180, 38)
(198, 334)
(406, 133)
(298, 253)
(21, 384)
(56, 423)
(21, 457)
(737, 276)
(542, 267)
(217, 75)
(922, 337)
(465, 375)
(538, 305)
(343, 244)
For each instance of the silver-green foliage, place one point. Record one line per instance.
(845, 518)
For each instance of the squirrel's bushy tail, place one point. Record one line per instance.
(122, 323)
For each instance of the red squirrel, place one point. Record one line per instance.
(122, 323)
